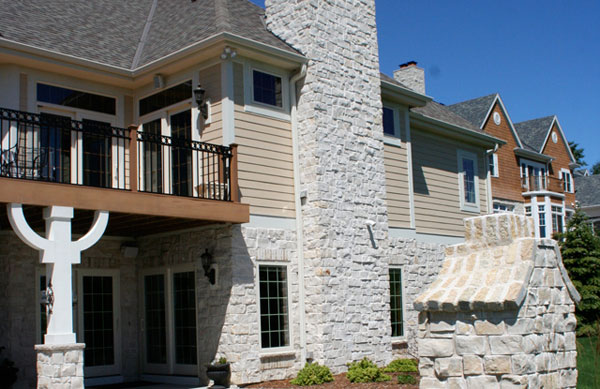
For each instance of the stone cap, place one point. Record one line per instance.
(498, 229)
(59, 347)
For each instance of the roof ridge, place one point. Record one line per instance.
(540, 118)
(144, 37)
(473, 99)
(222, 15)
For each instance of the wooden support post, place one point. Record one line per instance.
(233, 173)
(133, 173)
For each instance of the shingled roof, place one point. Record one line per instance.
(533, 132)
(587, 190)
(441, 112)
(129, 34)
(474, 110)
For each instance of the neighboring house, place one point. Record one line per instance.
(257, 202)
(533, 172)
(587, 194)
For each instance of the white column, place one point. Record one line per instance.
(58, 252)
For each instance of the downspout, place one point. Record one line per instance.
(490, 199)
(298, 204)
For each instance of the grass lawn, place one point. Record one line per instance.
(588, 362)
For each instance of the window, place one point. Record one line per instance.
(499, 207)
(166, 98)
(493, 165)
(533, 176)
(557, 219)
(273, 297)
(528, 210)
(76, 99)
(542, 220)
(389, 127)
(567, 180)
(396, 306)
(468, 181)
(267, 88)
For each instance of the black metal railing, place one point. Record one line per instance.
(55, 148)
(183, 167)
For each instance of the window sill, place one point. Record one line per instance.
(399, 341)
(470, 208)
(274, 112)
(284, 352)
(393, 141)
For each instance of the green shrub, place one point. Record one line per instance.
(366, 371)
(313, 374)
(406, 379)
(402, 365)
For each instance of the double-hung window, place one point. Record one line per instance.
(542, 220)
(493, 165)
(557, 218)
(396, 306)
(567, 180)
(468, 181)
(273, 295)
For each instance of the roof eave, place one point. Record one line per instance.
(404, 95)
(454, 131)
(533, 155)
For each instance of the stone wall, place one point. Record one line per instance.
(342, 172)
(501, 312)
(421, 263)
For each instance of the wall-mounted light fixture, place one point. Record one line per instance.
(207, 265)
(200, 97)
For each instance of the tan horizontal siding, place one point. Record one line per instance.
(396, 178)
(436, 185)
(265, 163)
(213, 132)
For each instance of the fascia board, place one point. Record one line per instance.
(456, 132)
(533, 155)
(510, 123)
(404, 95)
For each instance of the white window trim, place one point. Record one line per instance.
(274, 351)
(403, 338)
(495, 172)
(562, 178)
(170, 367)
(468, 207)
(250, 105)
(396, 139)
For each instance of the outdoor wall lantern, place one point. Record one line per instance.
(200, 97)
(207, 263)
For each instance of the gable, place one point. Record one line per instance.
(556, 146)
(503, 129)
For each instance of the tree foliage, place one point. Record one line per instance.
(596, 168)
(577, 153)
(580, 250)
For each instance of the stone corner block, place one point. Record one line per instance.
(436, 348)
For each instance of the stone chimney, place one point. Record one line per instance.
(412, 76)
(341, 162)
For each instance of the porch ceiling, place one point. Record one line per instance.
(119, 224)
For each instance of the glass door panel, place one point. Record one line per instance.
(155, 322)
(152, 157)
(96, 153)
(184, 305)
(51, 161)
(181, 153)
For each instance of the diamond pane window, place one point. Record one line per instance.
(274, 329)
(396, 302)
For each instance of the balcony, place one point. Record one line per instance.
(147, 181)
(542, 184)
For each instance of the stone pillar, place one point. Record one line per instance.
(342, 171)
(60, 366)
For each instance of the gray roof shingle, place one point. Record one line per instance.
(587, 190)
(110, 31)
(533, 132)
(385, 77)
(441, 112)
(474, 110)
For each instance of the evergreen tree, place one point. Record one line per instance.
(577, 153)
(580, 250)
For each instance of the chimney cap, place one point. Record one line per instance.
(407, 64)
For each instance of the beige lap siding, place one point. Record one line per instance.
(210, 79)
(396, 179)
(265, 163)
(435, 172)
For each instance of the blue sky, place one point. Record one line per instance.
(542, 57)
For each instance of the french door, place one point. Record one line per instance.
(98, 321)
(169, 322)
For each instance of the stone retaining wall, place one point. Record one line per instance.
(501, 312)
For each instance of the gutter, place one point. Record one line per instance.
(453, 131)
(532, 154)
(298, 205)
(404, 95)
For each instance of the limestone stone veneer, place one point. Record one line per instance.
(501, 312)
(60, 366)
